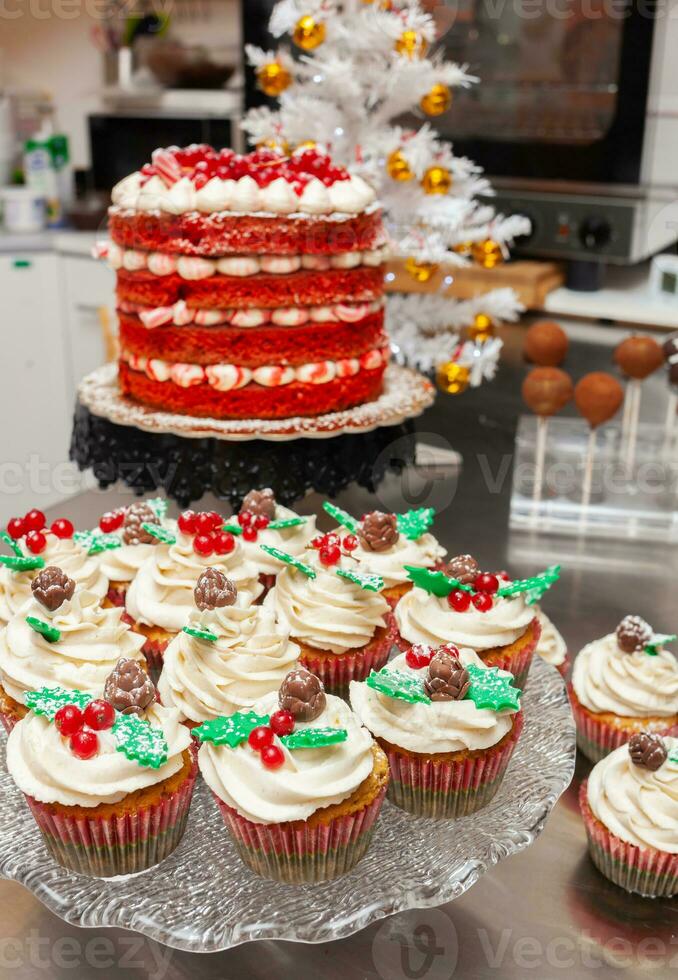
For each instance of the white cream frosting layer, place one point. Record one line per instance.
(251, 658)
(551, 647)
(390, 564)
(42, 765)
(441, 726)
(428, 619)
(122, 564)
(634, 685)
(637, 805)
(92, 641)
(162, 592)
(293, 540)
(327, 612)
(308, 780)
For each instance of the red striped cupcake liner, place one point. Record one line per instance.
(642, 870)
(299, 852)
(596, 737)
(123, 844)
(116, 596)
(154, 651)
(8, 721)
(448, 788)
(337, 671)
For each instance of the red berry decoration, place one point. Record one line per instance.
(459, 600)
(62, 528)
(16, 528)
(224, 543)
(99, 715)
(111, 521)
(69, 720)
(250, 533)
(186, 522)
(486, 582)
(282, 722)
(350, 542)
(261, 522)
(450, 648)
(203, 523)
(36, 542)
(260, 737)
(419, 656)
(84, 744)
(332, 539)
(330, 554)
(216, 520)
(203, 544)
(244, 518)
(504, 576)
(272, 757)
(34, 520)
(483, 601)
(318, 541)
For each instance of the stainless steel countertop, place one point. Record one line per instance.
(546, 912)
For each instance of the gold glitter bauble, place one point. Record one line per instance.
(397, 167)
(309, 33)
(487, 253)
(411, 44)
(463, 248)
(452, 378)
(481, 329)
(273, 79)
(421, 271)
(437, 180)
(437, 100)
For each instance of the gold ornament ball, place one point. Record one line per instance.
(453, 378)
(309, 33)
(437, 180)
(411, 44)
(273, 79)
(421, 271)
(481, 329)
(487, 253)
(437, 100)
(397, 167)
(463, 248)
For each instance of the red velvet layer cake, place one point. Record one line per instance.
(248, 286)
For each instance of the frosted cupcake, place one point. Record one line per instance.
(226, 657)
(34, 547)
(160, 598)
(108, 780)
(475, 609)
(624, 683)
(63, 637)
(448, 725)
(630, 808)
(298, 781)
(551, 646)
(334, 613)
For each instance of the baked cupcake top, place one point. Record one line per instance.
(262, 520)
(430, 701)
(63, 637)
(628, 673)
(227, 657)
(326, 602)
(121, 563)
(162, 591)
(76, 751)
(468, 607)
(551, 647)
(633, 791)
(298, 750)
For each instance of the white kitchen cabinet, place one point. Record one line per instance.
(88, 288)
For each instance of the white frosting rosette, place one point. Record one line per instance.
(425, 552)
(122, 564)
(293, 540)
(551, 647)
(251, 657)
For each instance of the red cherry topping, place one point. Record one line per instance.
(330, 554)
(84, 744)
(204, 523)
(244, 518)
(99, 715)
(62, 528)
(250, 533)
(111, 520)
(34, 520)
(318, 541)
(224, 543)
(504, 576)
(459, 600)
(36, 542)
(486, 582)
(331, 540)
(483, 601)
(16, 527)
(282, 722)
(69, 720)
(261, 522)
(203, 544)
(450, 648)
(186, 522)
(216, 519)
(272, 757)
(260, 737)
(350, 542)
(419, 656)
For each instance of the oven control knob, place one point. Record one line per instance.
(595, 233)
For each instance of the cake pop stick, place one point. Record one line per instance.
(546, 390)
(598, 397)
(670, 351)
(638, 357)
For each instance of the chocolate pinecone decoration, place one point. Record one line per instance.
(302, 694)
(464, 568)
(378, 531)
(52, 587)
(261, 503)
(135, 516)
(647, 750)
(633, 633)
(128, 688)
(447, 678)
(214, 590)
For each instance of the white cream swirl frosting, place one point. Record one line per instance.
(92, 641)
(293, 540)
(429, 619)
(632, 685)
(251, 657)
(327, 612)
(162, 592)
(441, 726)
(43, 766)
(639, 806)
(390, 564)
(308, 780)
(69, 556)
(122, 564)
(551, 647)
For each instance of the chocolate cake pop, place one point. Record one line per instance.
(546, 344)
(639, 356)
(546, 390)
(598, 397)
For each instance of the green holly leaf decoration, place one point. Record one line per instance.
(48, 700)
(231, 731)
(341, 517)
(532, 588)
(50, 633)
(160, 533)
(397, 684)
(200, 634)
(435, 583)
(674, 758)
(232, 529)
(366, 581)
(658, 641)
(139, 741)
(284, 523)
(14, 545)
(290, 560)
(159, 507)
(95, 542)
(17, 564)
(314, 738)
(491, 689)
(414, 523)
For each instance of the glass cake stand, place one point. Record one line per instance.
(203, 899)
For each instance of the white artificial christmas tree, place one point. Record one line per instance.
(360, 66)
